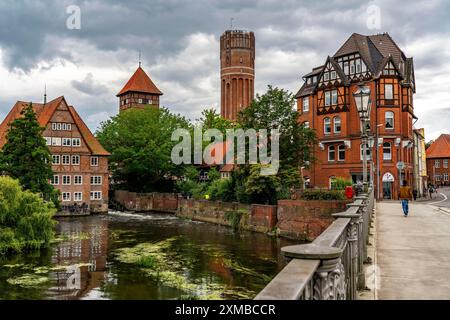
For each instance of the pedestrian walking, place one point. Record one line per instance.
(431, 191)
(405, 195)
(415, 194)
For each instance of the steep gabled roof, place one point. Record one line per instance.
(140, 82)
(440, 148)
(44, 113)
(91, 141)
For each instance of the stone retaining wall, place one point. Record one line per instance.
(305, 220)
(255, 217)
(141, 202)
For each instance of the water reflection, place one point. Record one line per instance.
(93, 259)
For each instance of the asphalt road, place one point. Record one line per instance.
(442, 199)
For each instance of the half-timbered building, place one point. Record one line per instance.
(326, 104)
(79, 162)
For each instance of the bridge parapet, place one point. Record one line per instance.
(331, 267)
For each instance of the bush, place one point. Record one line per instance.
(341, 183)
(320, 194)
(234, 218)
(25, 218)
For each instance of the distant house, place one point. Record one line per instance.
(438, 155)
(79, 162)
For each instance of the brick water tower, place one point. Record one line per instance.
(237, 71)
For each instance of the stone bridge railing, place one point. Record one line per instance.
(331, 267)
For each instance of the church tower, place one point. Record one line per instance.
(237, 70)
(139, 92)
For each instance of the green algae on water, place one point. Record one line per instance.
(28, 280)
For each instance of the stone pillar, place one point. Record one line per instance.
(329, 278)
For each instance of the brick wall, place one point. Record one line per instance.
(260, 218)
(305, 220)
(164, 202)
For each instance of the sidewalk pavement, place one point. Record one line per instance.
(413, 253)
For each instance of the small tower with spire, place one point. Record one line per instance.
(139, 91)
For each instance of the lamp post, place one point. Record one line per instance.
(363, 105)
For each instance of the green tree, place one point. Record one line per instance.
(26, 157)
(25, 218)
(140, 144)
(276, 110)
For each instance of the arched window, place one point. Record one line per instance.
(331, 153)
(341, 152)
(387, 151)
(389, 120)
(326, 126)
(337, 124)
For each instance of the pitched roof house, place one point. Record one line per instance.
(79, 161)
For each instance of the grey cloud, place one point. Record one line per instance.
(89, 86)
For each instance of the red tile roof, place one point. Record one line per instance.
(140, 82)
(44, 114)
(440, 148)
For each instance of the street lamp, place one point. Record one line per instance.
(363, 105)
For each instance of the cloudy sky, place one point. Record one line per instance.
(179, 41)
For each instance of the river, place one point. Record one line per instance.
(143, 256)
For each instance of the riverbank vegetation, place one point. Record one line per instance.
(25, 218)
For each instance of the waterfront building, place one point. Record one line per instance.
(326, 104)
(79, 162)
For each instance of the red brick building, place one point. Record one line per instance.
(80, 163)
(139, 92)
(237, 71)
(326, 104)
(438, 156)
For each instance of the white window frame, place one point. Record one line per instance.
(58, 157)
(75, 178)
(337, 121)
(326, 124)
(140, 100)
(327, 98)
(67, 142)
(445, 177)
(331, 150)
(387, 146)
(65, 159)
(96, 180)
(48, 141)
(389, 96)
(445, 163)
(93, 195)
(55, 180)
(334, 97)
(306, 124)
(65, 196)
(333, 75)
(326, 76)
(305, 104)
(54, 126)
(437, 177)
(65, 177)
(437, 164)
(389, 115)
(96, 161)
(78, 196)
(69, 127)
(56, 141)
(78, 142)
(76, 163)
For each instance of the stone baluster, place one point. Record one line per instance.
(329, 279)
(353, 239)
